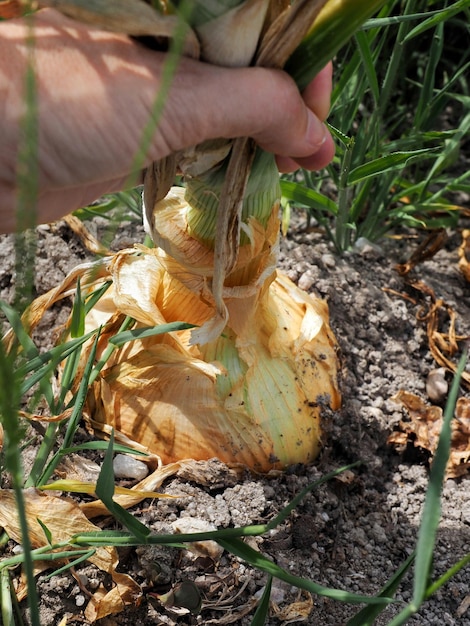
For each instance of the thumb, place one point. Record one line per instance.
(206, 102)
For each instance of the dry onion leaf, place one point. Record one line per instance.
(443, 345)
(137, 493)
(434, 312)
(424, 428)
(426, 250)
(33, 417)
(89, 241)
(130, 17)
(10, 9)
(80, 486)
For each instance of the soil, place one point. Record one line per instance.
(350, 534)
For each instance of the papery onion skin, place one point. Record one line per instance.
(252, 397)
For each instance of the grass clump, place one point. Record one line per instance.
(401, 117)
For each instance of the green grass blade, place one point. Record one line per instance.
(298, 193)
(73, 421)
(441, 15)
(173, 57)
(28, 354)
(5, 598)
(427, 89)
(449, 154)
(27, 344)
(9, 409)
(368, 615)
(142, 333)
(77, 324)
(330, 32)
(380, 22)
(390, 162)
(102, 445)
(54, 355)
(72, 563)
(344, 231)
(45, 363)
(122, 538)
(368, 64)
(356, 208)
(92, 300)
(27, 185)
(127, 322)
(287, 510)
(77, 329)
(450, 573)
(396, 57)
(46, 531)
(439, 99)
(239, 548)
(432, 505)
(105, 491)
(262, 610)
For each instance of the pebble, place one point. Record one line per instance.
(328, 261)
(189, 525)
(125, 466)
(436, 385)
(80, 599)
(277, 594)
(306, 281)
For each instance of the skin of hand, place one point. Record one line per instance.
(95, 94)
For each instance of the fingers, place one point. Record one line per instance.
(316, 161)
(97, 91)
(266, 105)
(317, 95)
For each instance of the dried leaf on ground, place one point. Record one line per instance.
(295, 612)
(63, 518)
(438, 316)
(424, 428)
(426, 250)
(440, 320)
(89, 241)
(464, 255)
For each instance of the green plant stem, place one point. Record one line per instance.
(450, 573)
(396, 58)
(343, 226)
(5, 598)
(9, 407)
(25, 250)
(73, 420)
(128, 321)
(27, 185)
(170, 66)
(45, 449)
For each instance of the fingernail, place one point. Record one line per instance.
(316, 131)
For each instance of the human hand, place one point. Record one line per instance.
(95, 93)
